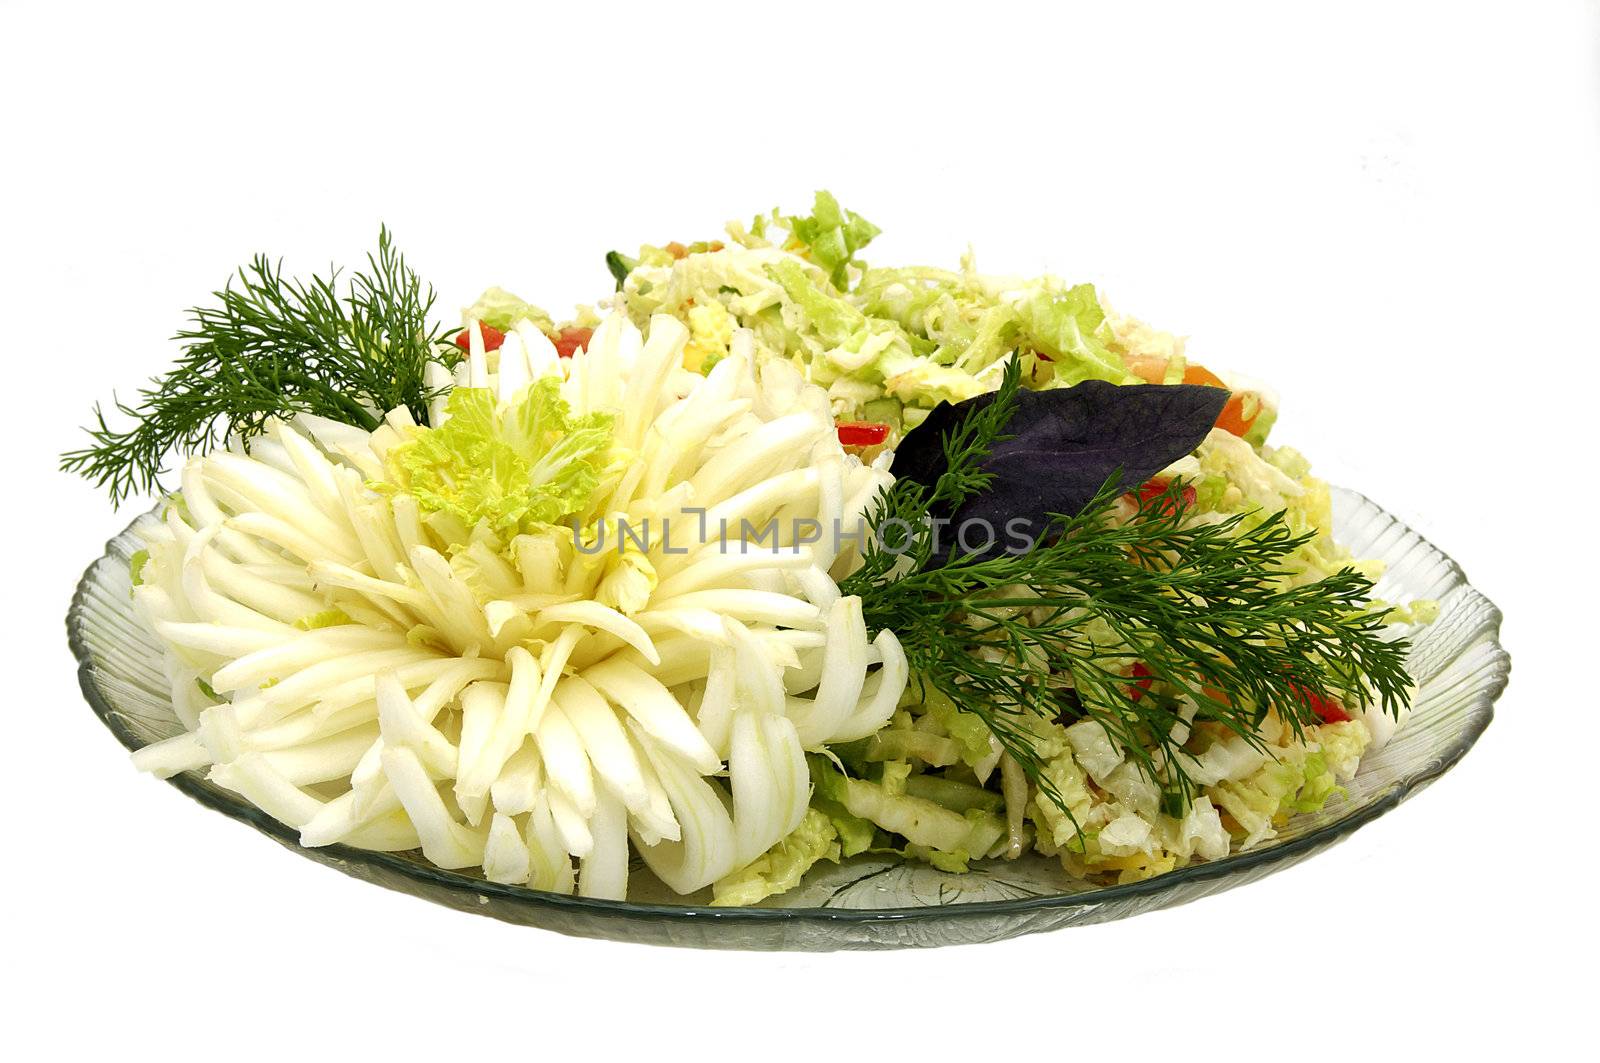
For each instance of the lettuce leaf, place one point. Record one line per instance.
(835, 321)
(957, 796)
(515, 467)
(918, 820)
(831, 236)
(1319, 785)
(966, 728)
(1296, 779)
(1342, 745)
(326, 618)
(781, 867)
(856, 835)
(1070, 329)
(501, 309)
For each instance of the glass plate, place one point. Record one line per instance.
(868, 903)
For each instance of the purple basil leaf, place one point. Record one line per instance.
(1065, 444)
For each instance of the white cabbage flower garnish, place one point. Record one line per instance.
(382, 640)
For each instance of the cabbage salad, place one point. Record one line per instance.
(775, 559)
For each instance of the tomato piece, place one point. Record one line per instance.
(1153, 489)
(863, 433)
(1332, 712)
(569, 340)
(1143, 680)
(1327, 709)
(492, 338)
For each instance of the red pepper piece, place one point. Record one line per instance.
(1327, 710)
(1143, 680)
(492, 338)
(863, 433)
(571, 339)
(1153, 489)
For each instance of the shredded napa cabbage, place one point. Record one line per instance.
(888, 344)
(781, 867)
(502, 310)
(928, 827)
(514, 467)
(831, 236)
(323, 618)
(1070, 329)
(1116, 825)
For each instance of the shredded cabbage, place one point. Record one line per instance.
(502, 310)
(830, 236)
(781, 867)
(514, 468)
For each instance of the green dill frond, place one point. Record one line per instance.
(276, 347)
(1205, 609)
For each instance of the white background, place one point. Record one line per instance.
(1390, 211)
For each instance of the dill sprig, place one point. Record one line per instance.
(276, 347)
(1052, 633)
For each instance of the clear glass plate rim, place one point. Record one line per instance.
(1235, 864)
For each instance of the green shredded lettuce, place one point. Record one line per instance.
(1070, 328)
(918, 820)
(953, 794)
(1297, 779)
(515, 468)
(830, 236)
(954, 862)
(912, 337)
(834, 320)
(176, 503)
(892, 778)
(965, 728)
(500, 309)
(781, 867)
(425, 637)
(326, 618)
(856, 835)
(1317, 786)
(903, 743)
